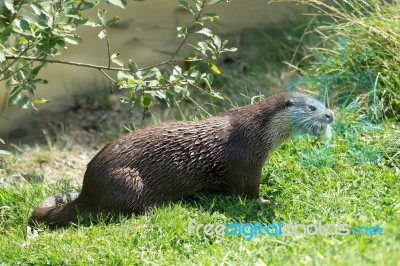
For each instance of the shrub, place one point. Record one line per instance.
(32, 33)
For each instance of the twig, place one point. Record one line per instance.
(145, 109)
(109, 59)
(108, 47)
(16, 59)
(108, 76)
(189, 31)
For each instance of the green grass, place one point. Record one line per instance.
(358, 49)
(349, 192)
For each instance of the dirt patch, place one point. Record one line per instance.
(55, 145)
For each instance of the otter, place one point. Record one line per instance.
(165, 162)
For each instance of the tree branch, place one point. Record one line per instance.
(189, 31)
(57, 61)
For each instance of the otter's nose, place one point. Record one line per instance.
(329, 117)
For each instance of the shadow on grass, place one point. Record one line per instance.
(236, 208)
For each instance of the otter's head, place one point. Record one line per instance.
(308, 115)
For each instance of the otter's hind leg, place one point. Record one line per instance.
(118, 193)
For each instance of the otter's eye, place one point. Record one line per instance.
(312, 108)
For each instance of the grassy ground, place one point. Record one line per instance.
(357, 190)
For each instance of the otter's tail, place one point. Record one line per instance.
(54, 213)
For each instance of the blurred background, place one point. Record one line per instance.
(146, 32)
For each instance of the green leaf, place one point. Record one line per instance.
(101, 13)
(24, 25)
(23, 102)
(135, 103)
(36, 8)
(203, 46)
(36, 70)
(113, 56)
(160, 94)
(211, 45)
(217, 95)
(153, 72)
(39, 81)
(29, 86)
(217, 41)
(145, 101)
(41, 101)
(208, 83)
(118, 62)
(119, 3)
(212, 2)
(182, 92)
(232, 49)
(164, 97)
(86, 22)
(194, 74)
(14, 94)
(132, 66)
(194, 46)
(10, 5)
(112, 20)
(102, 34)
(71, 41)
(6, 33)
(186, 6)
(206, 32)
(177, 71)
(200, 23)
(152, 83)
(124, 100)
(2, 57)
(124, 75)
(199, 5)
(210, 78)
(182, 31)
(210, 16)
(88, 4)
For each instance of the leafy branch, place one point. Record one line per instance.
(41, 29)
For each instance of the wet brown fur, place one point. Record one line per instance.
(162, 163)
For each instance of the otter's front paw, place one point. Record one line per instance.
(264, 201)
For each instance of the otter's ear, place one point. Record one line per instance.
(289, 102)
